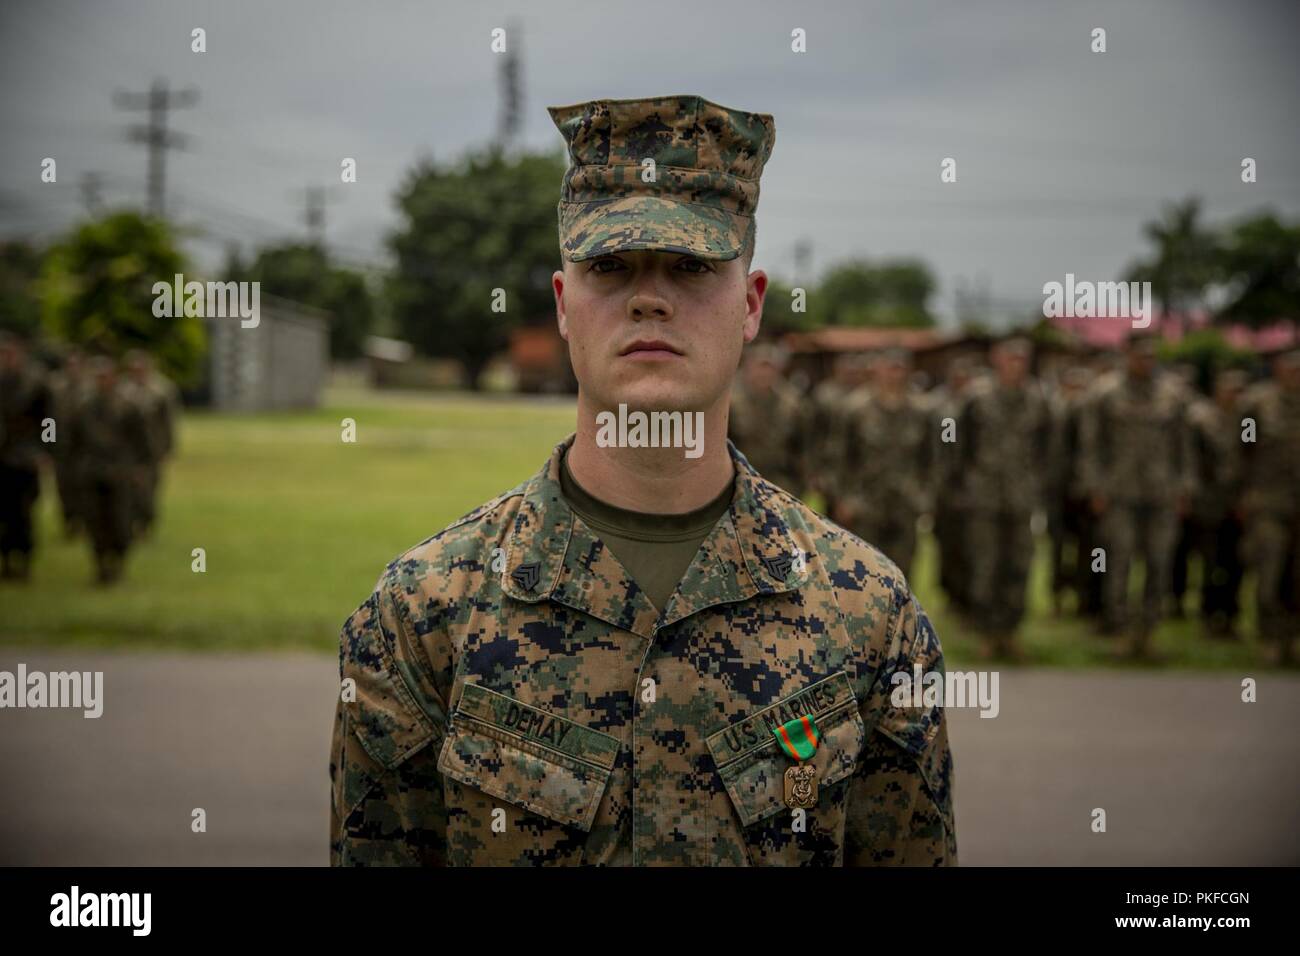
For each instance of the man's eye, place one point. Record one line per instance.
(696, 266)
(599, 266)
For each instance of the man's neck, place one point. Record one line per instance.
(655, 480)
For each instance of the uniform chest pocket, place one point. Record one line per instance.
(752, 768)
(528, 757)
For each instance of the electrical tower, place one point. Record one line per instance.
(155, 134)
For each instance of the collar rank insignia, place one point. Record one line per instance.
(526, 575)
(799, 739)
(778, 566)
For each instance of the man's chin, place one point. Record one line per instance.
(663, 397)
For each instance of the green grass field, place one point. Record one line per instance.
(297, 526)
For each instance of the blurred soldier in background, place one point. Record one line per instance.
(1003, 439)
(1183, 375)
(111, 438)
(766, 418)
(1271, 500)
(68, 387)
(24, 405)
(157, 398)
(881, 470)
(1215, 528)
(1069, 519)
(950, 504)
(1136, 464)
(821, 414)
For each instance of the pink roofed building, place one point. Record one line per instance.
(1112, 332)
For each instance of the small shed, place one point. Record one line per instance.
(282, 362)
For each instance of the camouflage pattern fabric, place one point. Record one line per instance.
(24, 404)
(767, 428)
(882, 470)
(703, 194)
(1271, 501)
(1003, 438)
(158, 403)
(543, 712)
(111, 436)
(68, 393)
(1136, 457)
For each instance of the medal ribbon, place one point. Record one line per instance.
(799, 737)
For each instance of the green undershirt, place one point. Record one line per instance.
(655, 549)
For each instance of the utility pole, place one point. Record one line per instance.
(91, 184)
(314, 214)
(155, 134)
(511, 82)
(803, 250)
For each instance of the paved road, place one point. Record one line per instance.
(1187, 773)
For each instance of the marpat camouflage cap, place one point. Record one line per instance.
(707, 162)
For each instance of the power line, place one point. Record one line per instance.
(155, 135)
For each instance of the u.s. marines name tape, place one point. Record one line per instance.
(820, 700)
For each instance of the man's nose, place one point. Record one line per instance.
(648, 305)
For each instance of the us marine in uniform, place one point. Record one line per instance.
(1271, 502)
(884, 464)
(111, 436)
(1003, 439)
(1214, 514)
(636, 657)
(24, 406)
(1136, 459)
(767, 418)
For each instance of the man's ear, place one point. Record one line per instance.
(557, 286)
(755, 293)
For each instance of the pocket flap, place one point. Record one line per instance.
(523, 755)
(752, 765)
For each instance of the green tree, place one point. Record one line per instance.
(894, 293)
(20, 268)
(302, 272)
(778, 310)
(485, 223)
(97, 287)
(1183, 265)
(1260, 270)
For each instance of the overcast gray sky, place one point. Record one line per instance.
(1061, 153)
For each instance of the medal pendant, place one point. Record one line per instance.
(801, 786)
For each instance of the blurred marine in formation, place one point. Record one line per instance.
(1071, 524)
(1136, 464)
(68, 389)
(111, 442)
(157, 398)
(881, 461)
(821, 423)
(24, 407)
(1003, 437)
(1213, 521)
(766, 418)
(950, 503)
(1271, 500)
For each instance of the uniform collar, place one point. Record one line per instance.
(552, 555)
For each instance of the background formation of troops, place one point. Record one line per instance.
(103, 428)
(1124, 468)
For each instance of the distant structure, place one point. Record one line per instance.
(539, 359)
(282, 362)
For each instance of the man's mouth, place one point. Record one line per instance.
(650, 349)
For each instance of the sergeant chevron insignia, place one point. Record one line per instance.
(526, 575)
(778, 566)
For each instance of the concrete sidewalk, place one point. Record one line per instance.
(1186, 772)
